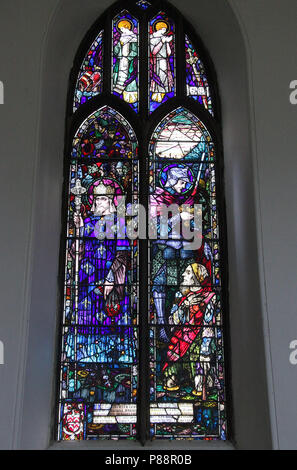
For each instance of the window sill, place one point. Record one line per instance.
(150, 446)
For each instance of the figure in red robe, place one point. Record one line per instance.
(193, 312)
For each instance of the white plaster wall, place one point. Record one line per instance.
(271, 37)
(22, 32)
(253, 48)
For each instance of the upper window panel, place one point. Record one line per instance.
(160, 84)
(181, 136)
(143, 4)
(105, 134)
(125, 58)
(197, 84)
(90, 77)
(162, 60)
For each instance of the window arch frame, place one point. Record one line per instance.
(143, 124)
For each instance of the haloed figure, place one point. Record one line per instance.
(125, 51)
(161, 75)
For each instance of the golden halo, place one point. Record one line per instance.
(161, 24)
(124, 23)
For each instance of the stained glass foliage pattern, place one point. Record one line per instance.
(99, 358)
(125, 58)
(90, 77)
(185, 320)
(161, 60)
(196, 79)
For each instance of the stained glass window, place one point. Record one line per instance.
(142, 328)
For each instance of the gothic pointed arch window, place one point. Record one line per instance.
(143, 302)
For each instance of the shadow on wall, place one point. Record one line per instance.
(1, 93)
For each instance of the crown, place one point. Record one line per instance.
(103, 190)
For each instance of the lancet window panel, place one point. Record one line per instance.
(186, 347)
(142, 329)
(99, 357)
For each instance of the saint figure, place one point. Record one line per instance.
(193, 315)
(125, 69)
(161, 76)
(104, 260)
(166, 252)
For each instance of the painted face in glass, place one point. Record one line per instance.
(177, 179)
(124, 30)
(103, 205)
(180, 186)
(188, 277)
